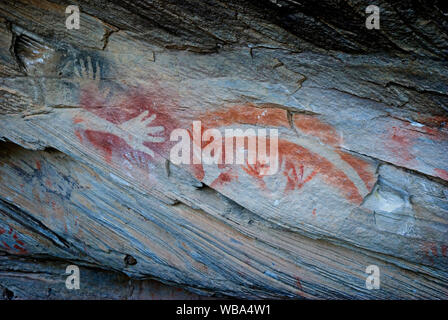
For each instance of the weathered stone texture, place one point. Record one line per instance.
(363, 142)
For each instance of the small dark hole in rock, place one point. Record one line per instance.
(8, 294)
(130, 260)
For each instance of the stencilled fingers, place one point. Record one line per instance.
(86, 70)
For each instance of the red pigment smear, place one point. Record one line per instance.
(401, 139)
(256, 171)
(299, 284)
(78, 120)
(310, 125)
(429, 258)
(246, 114)
(296, 158)
(224, 178)
(399, 143)
(434, 250)
(130, 105)
(431, 251)
(434, 121)
(198, 171)
(126, 106)
(113, 147)
(20, 249)
(250, 114)
(314, 211)
(229, 175)
(429, 132)
(115, 150)
(296, 178)
(435, 134)
(38, 166)
(238, 114)
(298, 155)
(78, 135)
(19, 244)
(444, 250)
(364, 169)
(441, 173)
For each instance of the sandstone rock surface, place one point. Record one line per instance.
(85, 170)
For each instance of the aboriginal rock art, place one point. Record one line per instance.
(134, 127)
(296, 177)
(434, 253)
(257, 171)
(313, 153)
(9, 240)
(404, 140)
(127, 124)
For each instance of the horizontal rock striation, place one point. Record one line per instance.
(86, 175)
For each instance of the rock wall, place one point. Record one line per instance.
(86, 175)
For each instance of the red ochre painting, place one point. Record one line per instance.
(11, 242)
(148, 117)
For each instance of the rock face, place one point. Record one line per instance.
(86, 176)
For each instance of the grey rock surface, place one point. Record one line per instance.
(86, 176)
